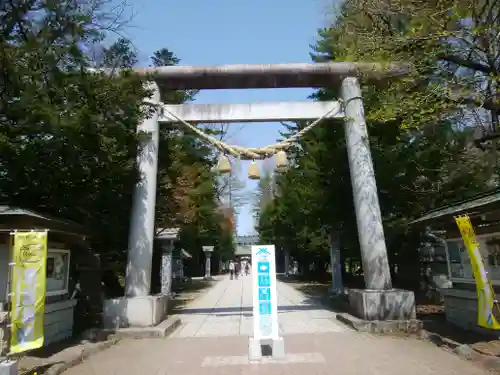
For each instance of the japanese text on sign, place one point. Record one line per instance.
(265, 309)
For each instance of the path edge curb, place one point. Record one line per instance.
(163, 330)
(463, 351)
(59, 368)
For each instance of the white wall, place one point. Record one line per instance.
(58, 321)
(461, 267)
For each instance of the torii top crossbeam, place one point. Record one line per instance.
(268, 75)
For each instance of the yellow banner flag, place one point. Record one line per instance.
(485, 293)
(29, 259)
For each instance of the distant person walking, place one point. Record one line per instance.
(231, 270)
(247, 268)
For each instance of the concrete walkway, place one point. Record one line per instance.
(214, 339)
(226, 310)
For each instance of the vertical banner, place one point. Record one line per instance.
(485, 293)
(265, 299)
(29, 259)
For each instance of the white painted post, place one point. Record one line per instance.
(337, 284)
(141, 236)
(369, 219)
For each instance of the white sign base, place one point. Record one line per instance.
(265, 303)
(255, 349)
(9, 367)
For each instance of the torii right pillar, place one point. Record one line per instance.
(379, 302)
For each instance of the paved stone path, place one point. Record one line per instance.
(226, 310)
(214, 339)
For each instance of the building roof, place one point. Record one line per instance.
(242, 250)
(42, 221)
(476, 205)
(247, 240)
(167, 233)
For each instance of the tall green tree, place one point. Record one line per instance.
(420, 136)
(68, 140)
(67, 135)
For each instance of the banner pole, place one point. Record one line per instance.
(8, 364)
(9, 291)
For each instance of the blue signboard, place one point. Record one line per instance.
(265, 308)
(264, 280)
(263, 267)
(265, 297)
(264, 294)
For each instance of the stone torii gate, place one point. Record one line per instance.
(379, 301)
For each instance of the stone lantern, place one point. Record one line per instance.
(166, 238)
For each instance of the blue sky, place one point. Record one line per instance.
(215, 32)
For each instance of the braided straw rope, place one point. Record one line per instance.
(250, 153)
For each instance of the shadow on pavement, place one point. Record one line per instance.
(185, 292)
(240, 310)
(316, 293)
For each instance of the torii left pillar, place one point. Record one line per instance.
(139, 308)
